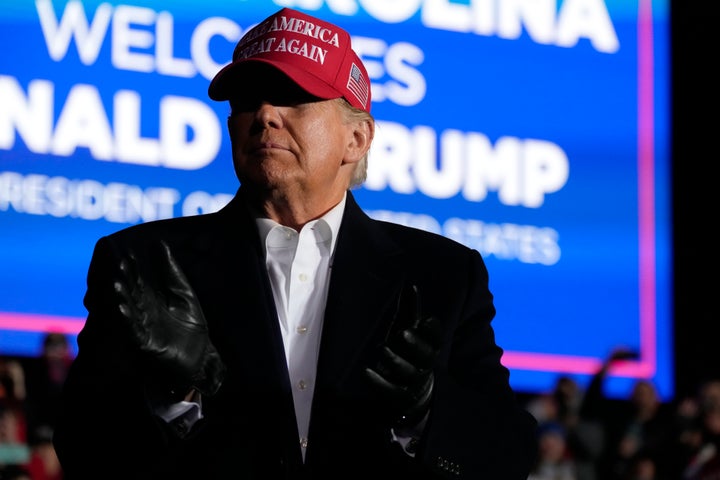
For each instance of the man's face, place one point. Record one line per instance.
(286, 139)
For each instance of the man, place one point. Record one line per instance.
(290, 336)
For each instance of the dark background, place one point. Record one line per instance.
(695, 192)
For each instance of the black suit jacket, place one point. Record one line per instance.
(475, 430)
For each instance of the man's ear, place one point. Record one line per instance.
(360, 140)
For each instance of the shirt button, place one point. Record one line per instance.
(303, 442)
(302, 385)
(301, 329)
(303, 277)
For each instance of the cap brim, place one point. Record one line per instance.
(232, 80)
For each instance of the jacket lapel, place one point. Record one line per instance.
(246, 321)
(364, 283)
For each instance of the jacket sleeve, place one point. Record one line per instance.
(105, 418)
(476, 428)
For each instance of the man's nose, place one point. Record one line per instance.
(267, 113)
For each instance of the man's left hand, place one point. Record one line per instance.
(403, 373)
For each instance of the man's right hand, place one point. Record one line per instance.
(168, 327)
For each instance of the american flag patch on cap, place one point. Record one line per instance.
(358, 85)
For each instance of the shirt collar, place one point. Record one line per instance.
(332, 218)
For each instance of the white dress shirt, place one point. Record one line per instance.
(298, 265)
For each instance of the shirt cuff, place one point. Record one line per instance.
(181, 416)
(408, 437)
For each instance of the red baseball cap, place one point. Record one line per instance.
(315, 54)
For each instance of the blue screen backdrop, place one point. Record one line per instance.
(536, 132)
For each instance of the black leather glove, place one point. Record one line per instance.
(403, 372)
(168, 327)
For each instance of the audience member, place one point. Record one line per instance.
(583, 437)
(43, 463)
(13, 428)
(704, 461)
(554, 460)
(45, 376)
(640, 425)
(642, 467)
(13, 448)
